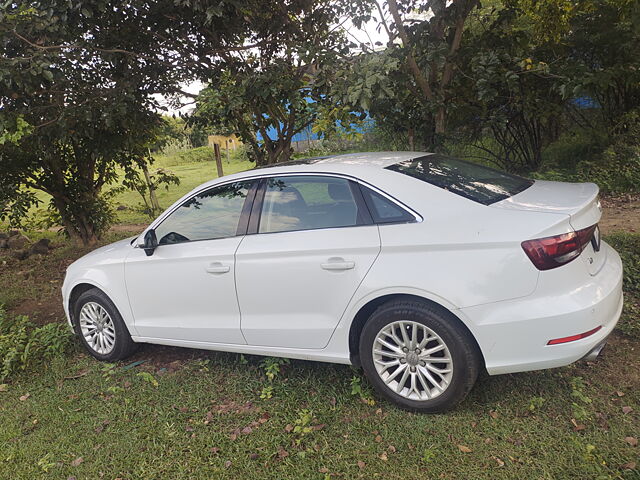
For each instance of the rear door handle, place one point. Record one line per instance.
(217, 267)
(338, 264)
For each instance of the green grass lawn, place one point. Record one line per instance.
(191, 173)
(204, 419)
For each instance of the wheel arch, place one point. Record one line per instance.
(84, 286)
(365, 312)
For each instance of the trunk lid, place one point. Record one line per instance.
(577, 200)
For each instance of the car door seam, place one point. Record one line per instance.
(235, 285)
(346, 308)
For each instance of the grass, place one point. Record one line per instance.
(191, 171)
(194, 414)
(628, 246)
(204, 419)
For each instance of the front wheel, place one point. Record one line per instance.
(101, 328)
(418, 356)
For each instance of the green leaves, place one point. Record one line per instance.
(24, 345)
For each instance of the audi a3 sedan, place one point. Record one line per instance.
(420, 268)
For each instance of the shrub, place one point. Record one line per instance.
(617, 171)
(200, 154)
(615, 167)
(628, 246)
(24, 344)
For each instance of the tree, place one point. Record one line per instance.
(272, 91)
(375, 84)
(275, 103)
(88, 111)
(77, 81)
(430, 45)
(531, 66)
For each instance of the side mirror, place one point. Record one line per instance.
(150, 242)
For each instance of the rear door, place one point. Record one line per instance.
(313, 242)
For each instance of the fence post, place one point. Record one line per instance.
(216, 151)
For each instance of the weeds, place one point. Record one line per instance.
(362, 392)
(23, 344)
(580, 411)
(271, 367)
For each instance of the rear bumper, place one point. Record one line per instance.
(513, 335)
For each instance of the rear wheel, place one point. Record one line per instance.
(101, 328)
(418, 357)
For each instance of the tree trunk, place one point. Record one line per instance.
(412, 139)
(155, 205)
(77, 224)
(440, 121)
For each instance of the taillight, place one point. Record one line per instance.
(551, 252)
(573, 338)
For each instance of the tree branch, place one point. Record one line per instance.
(418, 76)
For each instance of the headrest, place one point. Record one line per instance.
(339, 192)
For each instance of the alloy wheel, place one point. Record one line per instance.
(412, 360)
(97, 328)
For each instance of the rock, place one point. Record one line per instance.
(4, 236)
(3, 243)
(41, 247)
(122, 207)
(13, 233)
(17, 242)
(21, 254)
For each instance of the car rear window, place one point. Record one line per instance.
(470, 180)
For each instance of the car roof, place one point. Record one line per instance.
(352, 164)
(370, 159)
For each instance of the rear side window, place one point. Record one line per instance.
(384, 210)
(475, 182)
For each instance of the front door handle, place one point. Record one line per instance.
(217, 267)
(338, 264)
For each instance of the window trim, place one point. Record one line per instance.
(371, 207)
(258, 178)
(354, 183)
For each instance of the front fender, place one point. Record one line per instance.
(113, 287)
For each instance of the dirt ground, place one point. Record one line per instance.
(620, 214)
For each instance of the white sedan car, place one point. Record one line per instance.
(420, 268)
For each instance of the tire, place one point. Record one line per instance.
(110, 340)
(444, 346)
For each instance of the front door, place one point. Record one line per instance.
(313, 247)
(186, 289)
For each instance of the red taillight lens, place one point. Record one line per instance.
(551, 252)
(573, 338)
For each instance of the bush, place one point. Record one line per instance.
(615, 167)
(628, 246)
(618, 170)
(200, 154)
(24, 344)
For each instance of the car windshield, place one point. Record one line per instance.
(475, 182)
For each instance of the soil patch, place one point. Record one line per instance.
(620, 214)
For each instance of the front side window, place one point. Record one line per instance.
(307, 203)
(206, 216)
(470, 180)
